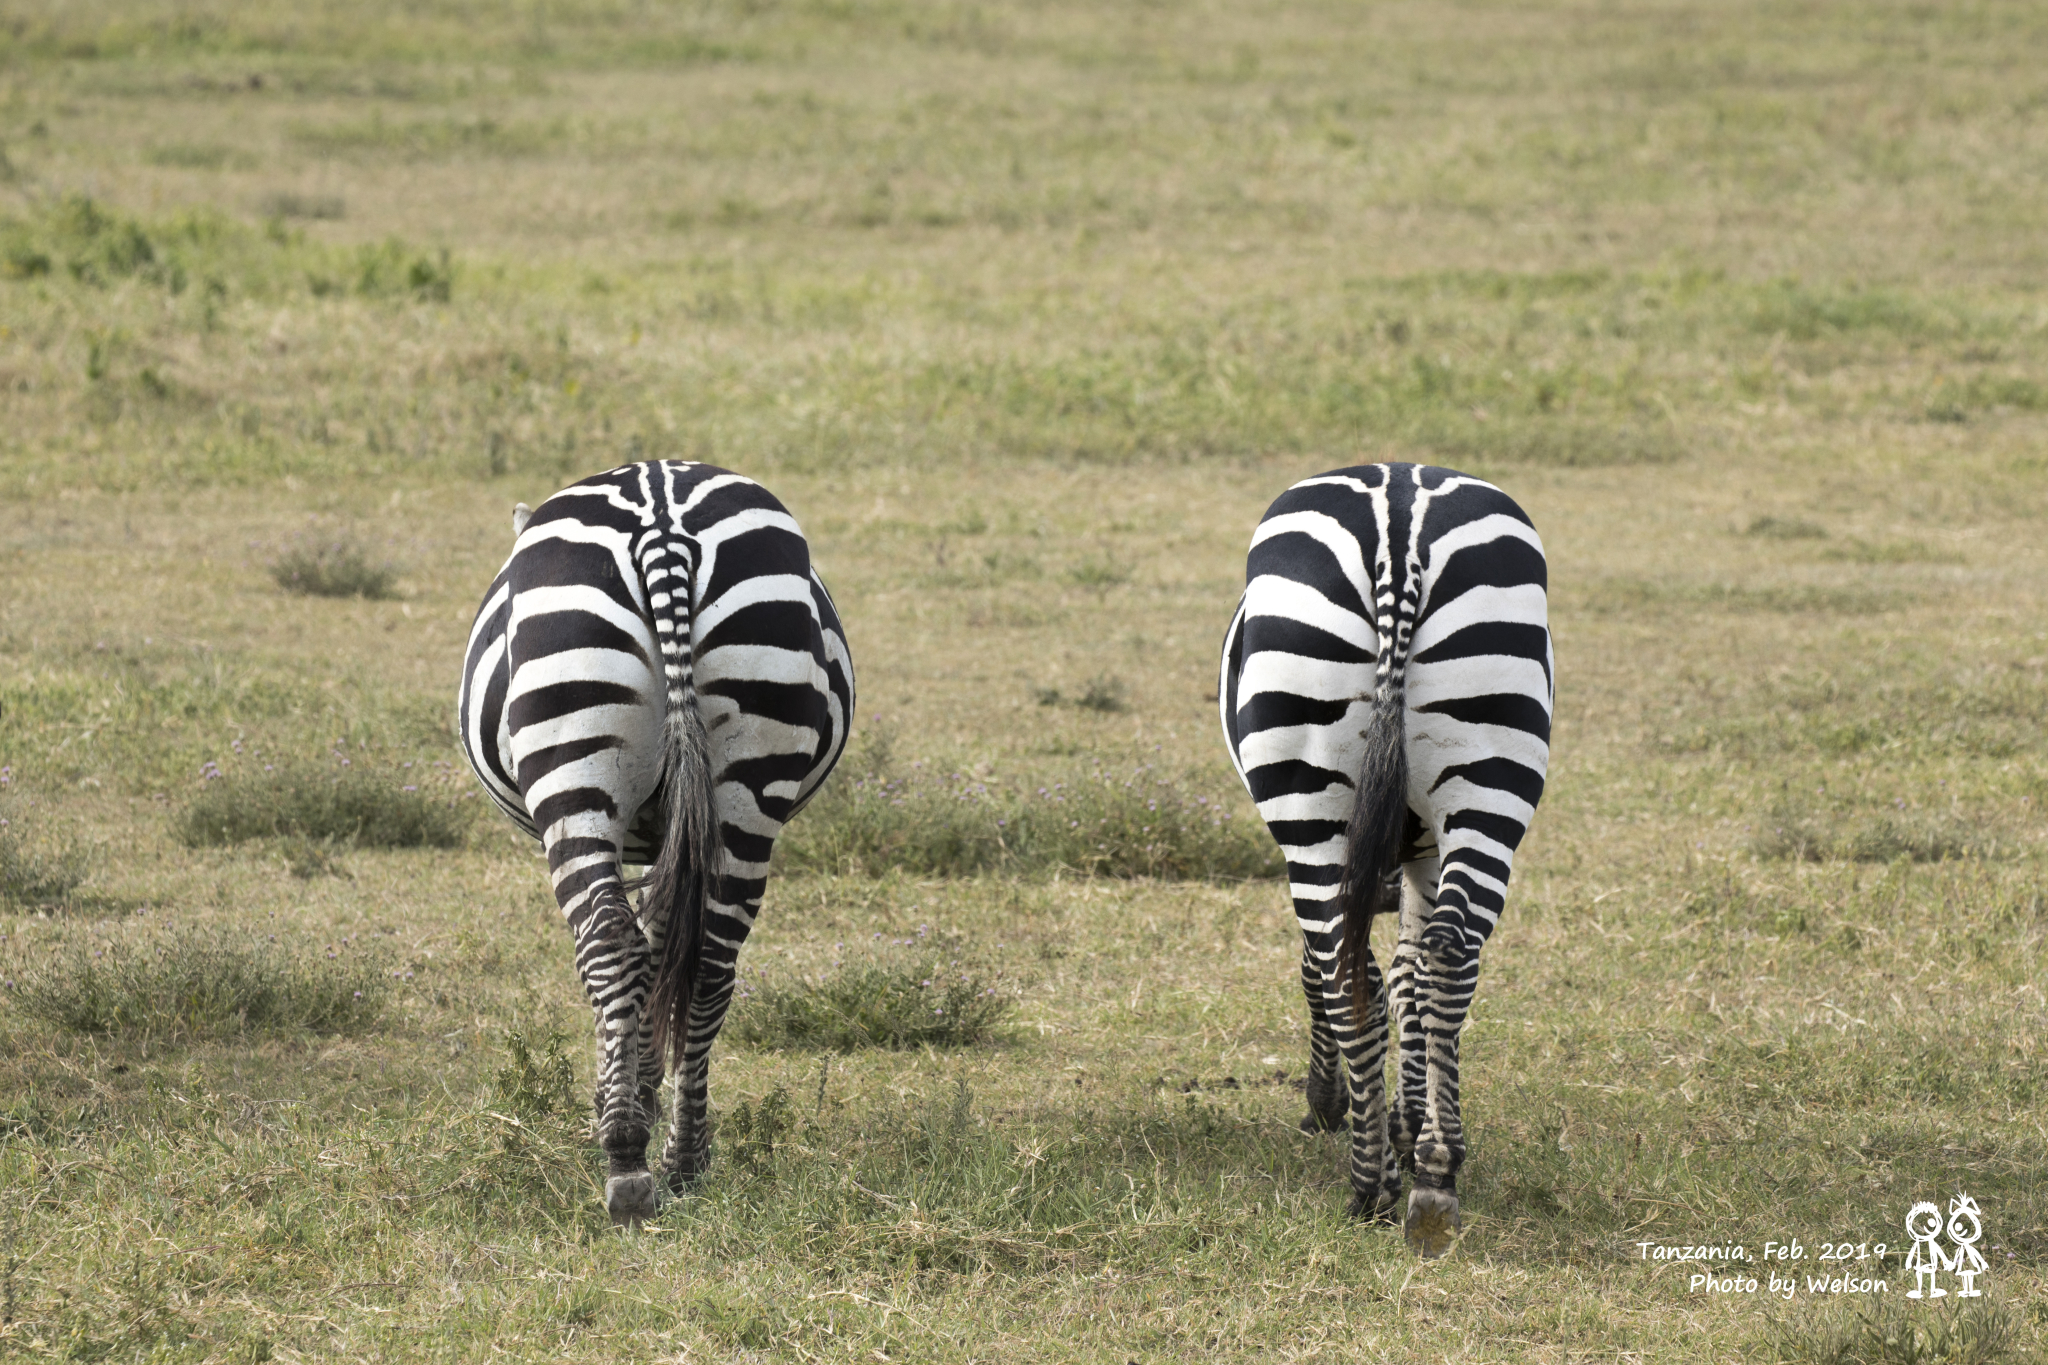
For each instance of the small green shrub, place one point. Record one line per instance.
(1784, 528)
(287, 204)
(343, 802)
(94, 246)
(197, 982)
(1891, 552)
(753, 1131)
(891, 994)
(336, 567)
(1133, 823)
(391, 270)
(40, 866)
(1102, 693)
(536, 1084)
(1888, 1333)
(308, 858)
(532, 1143)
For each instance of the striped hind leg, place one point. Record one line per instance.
(1329, 1096)
(687, 1153)
(1443, 942)
(616, 966)
(1418, 899)
(1360, 1043)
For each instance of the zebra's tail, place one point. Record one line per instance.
(1379, 817)
(679, 886)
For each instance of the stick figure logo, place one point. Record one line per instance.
(1927, 1259)
(1965, 1226)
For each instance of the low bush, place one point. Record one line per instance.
(39, 865)
(1784, 528)
(536, 1082)
(197, 982)
(1889, 1333)
(333, 566)
(91, 244)
(1805, 834)
(890, 993)
(1135, 822)
(365, 804)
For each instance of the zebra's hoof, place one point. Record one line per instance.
(1318, 1123)
(1433, 1222)
(632, 1199)
(1375, 1208)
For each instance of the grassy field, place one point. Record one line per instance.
(1026, 312)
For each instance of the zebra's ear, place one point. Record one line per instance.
(520, 513)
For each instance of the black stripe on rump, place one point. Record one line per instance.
(1464, 505)
(557, 632)
(1292, 777)
(482, 640)
(574, 801)
(541, 762)
(1510, 709)
(1497, 774)
(1503, 563)
(1287, 635)
(745, 845)
(1485, 864)
(779, 623)
(1504, 830)
(1302, 558)
(759, 553)
(1315, 874)
(797, 704)
(569, 849)
(1272, 710)
(1511, 638)
(1304, 833)
(1233, 665)
(759, 774)
(495, 687)
(560, 699)
(721, 504)
(571, 564)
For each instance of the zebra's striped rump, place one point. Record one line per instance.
(1386, 695)
(656, 677)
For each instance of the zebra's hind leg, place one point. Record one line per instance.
(1375, 1181)
(617, 970)
(1445, 975)
(687, 1154)
(1418, 899)
(1329, 1099)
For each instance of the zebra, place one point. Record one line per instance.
(657, 676)
(1386, 691)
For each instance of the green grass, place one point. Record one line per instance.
(1026, 313)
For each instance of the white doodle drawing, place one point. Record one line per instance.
(1967, 1262)
(1926, 1259)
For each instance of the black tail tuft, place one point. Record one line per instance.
(1373, 839)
